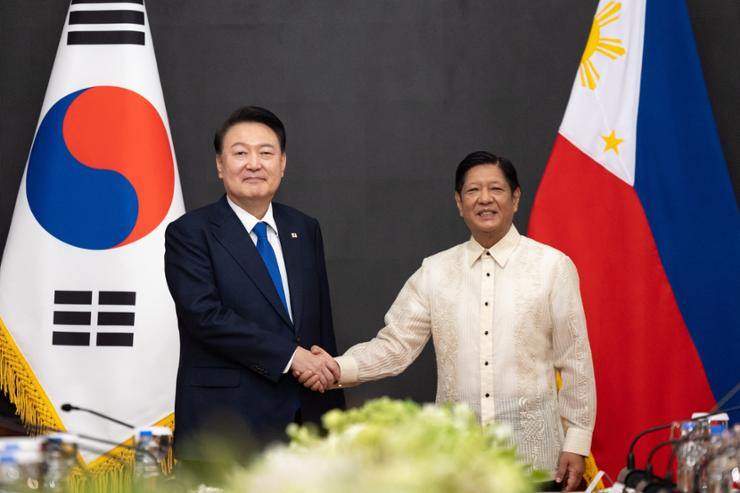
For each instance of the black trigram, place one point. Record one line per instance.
(80, 34)
(105, 318)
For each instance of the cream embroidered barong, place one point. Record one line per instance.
(503, 320)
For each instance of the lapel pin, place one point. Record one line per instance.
(294, 235)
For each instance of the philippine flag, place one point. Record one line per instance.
(86, 314)
(638, 194)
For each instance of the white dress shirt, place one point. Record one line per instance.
(249, 222)
(503, 320)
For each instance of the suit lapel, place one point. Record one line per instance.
(230, 232)
(291, 242)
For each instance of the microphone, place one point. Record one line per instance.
(657, 486)
(631, 477)
(67, 407)
(630, 452)
(673, 452)
(649, 462)
(652, 484)
(713, 412)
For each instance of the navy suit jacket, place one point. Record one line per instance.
(235, 335)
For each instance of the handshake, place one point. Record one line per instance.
(316, 369)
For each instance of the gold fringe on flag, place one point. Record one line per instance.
(19, 383)
(110, 473)
(113, 473)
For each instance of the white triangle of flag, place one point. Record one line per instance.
(601, 118)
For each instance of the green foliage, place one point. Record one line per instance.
(391, 446)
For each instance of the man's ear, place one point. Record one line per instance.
(517, 196)
(219, 167)
(458, 203)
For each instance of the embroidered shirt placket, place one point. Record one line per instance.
(486, 338)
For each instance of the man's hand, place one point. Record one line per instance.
(570, 469)
(316, 369)
(308, 381)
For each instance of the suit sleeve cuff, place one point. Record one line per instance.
(577, 441)
(349, 371)
(290, 362)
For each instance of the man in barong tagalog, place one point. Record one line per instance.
(505, 315)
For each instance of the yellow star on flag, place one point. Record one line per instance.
(611, 142)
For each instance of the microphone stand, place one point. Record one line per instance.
(67, 407)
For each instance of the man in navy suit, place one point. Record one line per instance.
(249, 282)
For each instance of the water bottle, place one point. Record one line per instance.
(723, 464)
(146, 467)
(690, 454)
(54, 475)
(20, 464)
(59, 455)
(10, 474)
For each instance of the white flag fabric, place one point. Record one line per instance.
(85, 314)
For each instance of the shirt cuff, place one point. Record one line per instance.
(290, 362)
(348, 369)
(577, 441)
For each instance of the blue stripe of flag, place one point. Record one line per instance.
(685, 189)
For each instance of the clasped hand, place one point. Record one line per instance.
(315, 369)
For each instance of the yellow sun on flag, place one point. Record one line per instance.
(611, 47)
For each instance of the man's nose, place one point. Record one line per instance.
(253, 161)
(485, 196)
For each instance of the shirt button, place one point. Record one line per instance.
(488, 274)
(486, 303)
(486, 363)
(485, 333)
(488, 395)
(488, 253)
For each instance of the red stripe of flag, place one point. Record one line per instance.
(647, 368)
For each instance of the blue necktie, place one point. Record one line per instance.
(268, 257)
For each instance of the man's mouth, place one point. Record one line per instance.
(487, 213)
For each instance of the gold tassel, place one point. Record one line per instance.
(110, 473)
(113, 472)
(19, 383)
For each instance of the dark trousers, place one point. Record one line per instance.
(213, 472)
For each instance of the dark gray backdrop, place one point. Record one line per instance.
(381, 99)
